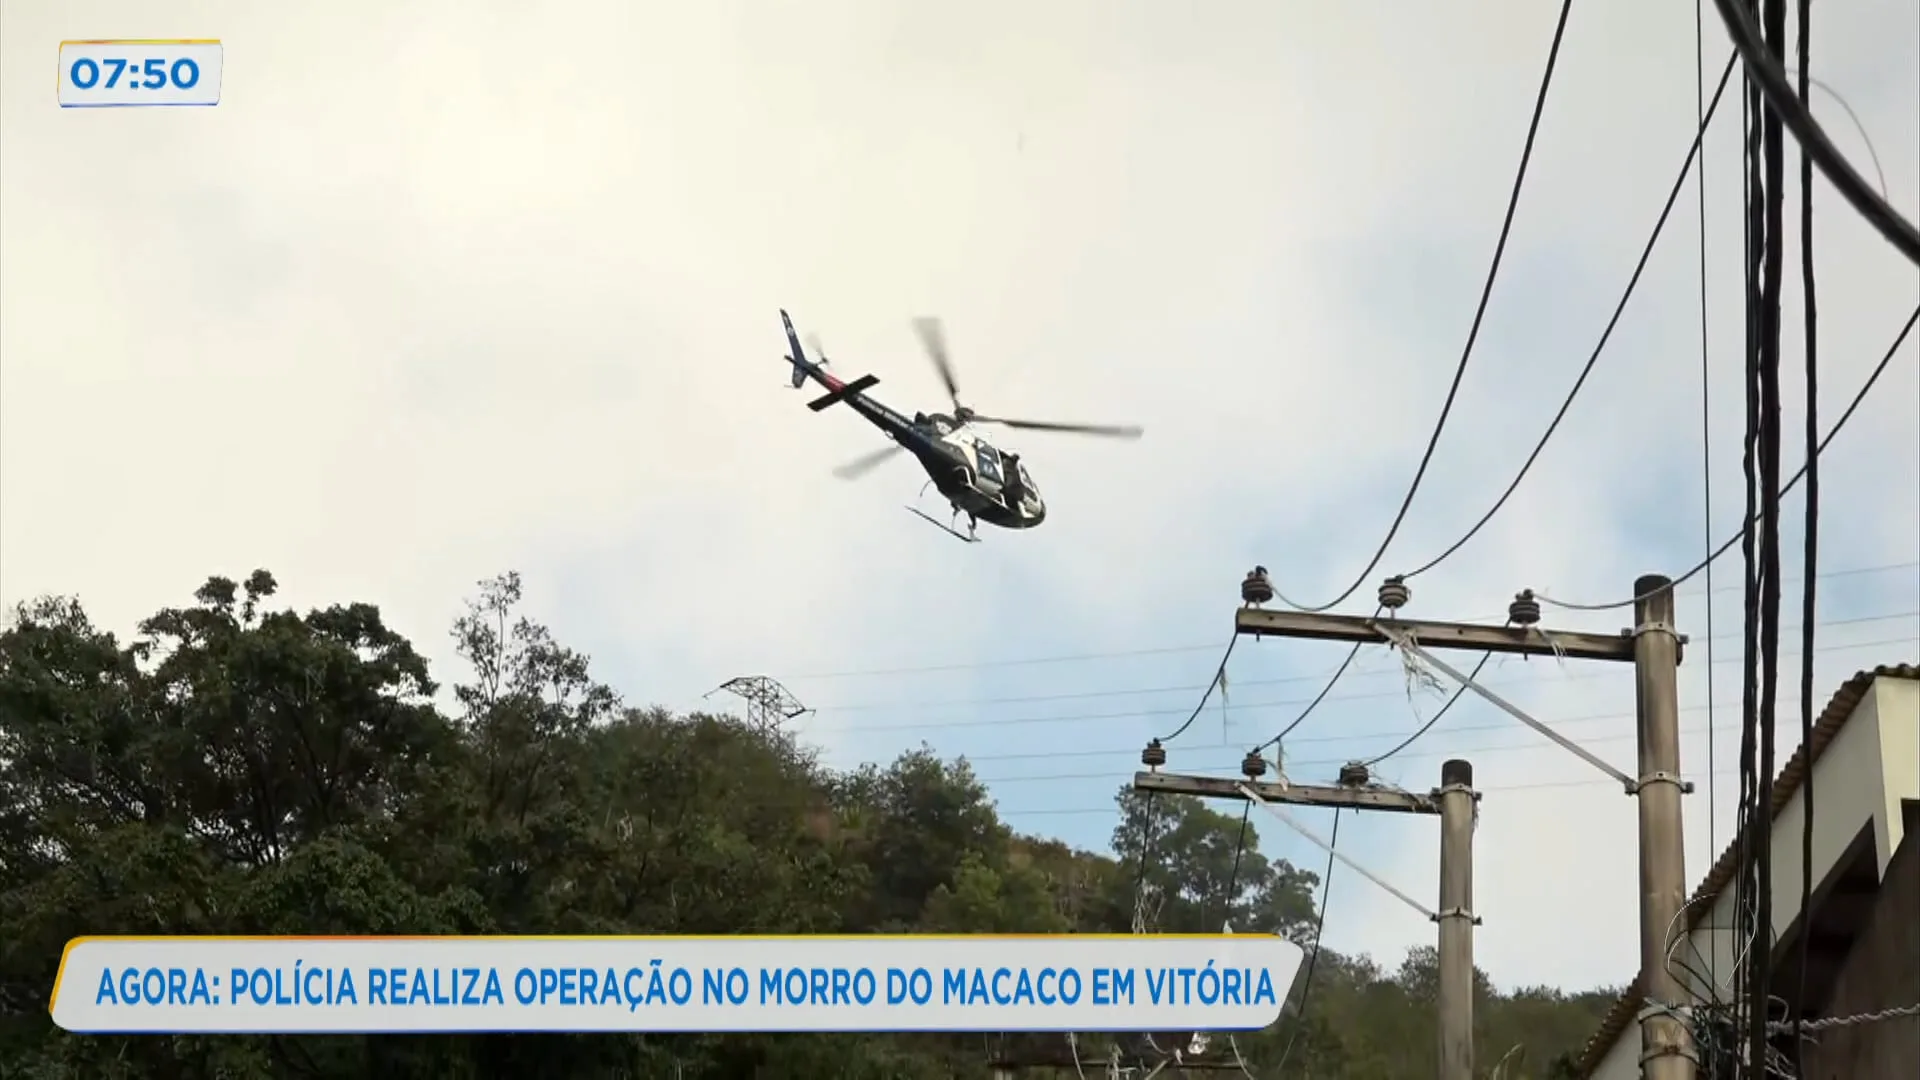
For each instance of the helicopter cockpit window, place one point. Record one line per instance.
(1026, 481)
(989, 461)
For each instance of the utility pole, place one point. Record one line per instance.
(1655, 649)
(1456, 920)
(1453, 802)
(1666, 1043)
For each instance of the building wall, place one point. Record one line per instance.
(1623, 1058)
(1853, 784)
(1882, 971)
(1897, 708)
(1870, 767)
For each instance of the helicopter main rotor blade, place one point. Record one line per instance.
(934, 339)
(1114, 431)
(865, 464)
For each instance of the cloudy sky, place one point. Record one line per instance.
(440, 290)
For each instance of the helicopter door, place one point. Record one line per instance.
(987, 463)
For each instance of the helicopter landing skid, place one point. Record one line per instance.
(948, 529)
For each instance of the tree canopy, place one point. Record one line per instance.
(237, 768)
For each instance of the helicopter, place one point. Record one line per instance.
(984, 482)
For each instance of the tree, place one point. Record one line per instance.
(235, 768)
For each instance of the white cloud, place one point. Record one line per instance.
(440, 290)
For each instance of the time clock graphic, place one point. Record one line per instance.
(136, 72)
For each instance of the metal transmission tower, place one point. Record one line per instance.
(769, 704)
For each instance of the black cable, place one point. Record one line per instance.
(1317, 698)
(1764, 68)
(1750, 622)
(1233, 875)
(1860, 396)
(1319, 927)
(1208, 692)
(1810, 546)
(1479, 313)
(1315, 703)
(1646, 252)
(1435, 718)
(1706, 426)
(1146, 843)
(1772, 256)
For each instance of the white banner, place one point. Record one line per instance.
(1078, 982)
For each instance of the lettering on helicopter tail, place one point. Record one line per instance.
(832, 398)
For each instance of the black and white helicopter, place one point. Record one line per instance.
(981, 481)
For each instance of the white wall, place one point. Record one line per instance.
(1897, 703)
(1871, 765)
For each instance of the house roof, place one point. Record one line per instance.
(1792, 775)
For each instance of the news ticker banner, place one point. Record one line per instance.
(292, 985)
(135, 72)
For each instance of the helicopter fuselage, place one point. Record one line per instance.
(976, 477)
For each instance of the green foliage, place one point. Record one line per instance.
(240, 770)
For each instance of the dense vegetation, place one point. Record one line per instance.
(237, 769)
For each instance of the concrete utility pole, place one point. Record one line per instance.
(1456, 920)
(1666, 1043)
(1655, 649)
(1453, 802)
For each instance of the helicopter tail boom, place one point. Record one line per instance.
(842, 391)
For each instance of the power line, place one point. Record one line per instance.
(1436, 717)
(1168, 650)
(1315, 703)
(1317, 698)
(1761, 547)
(1148, 713)
(1479, 314)
(1335, 762)
(1706, 420)
(1379, 736)
(1878, 370)
(1764, 69)
(1810, 542)
(1087, 811)
(1606, 334)
(1219, 673)
(1184, 688)
(1319, 928)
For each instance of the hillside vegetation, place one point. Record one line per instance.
(240, 769)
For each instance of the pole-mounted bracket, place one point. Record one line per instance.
(1685, 786)
(1460, 788)
(1457, 913)
(1682, 1017)
(1658, 626)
